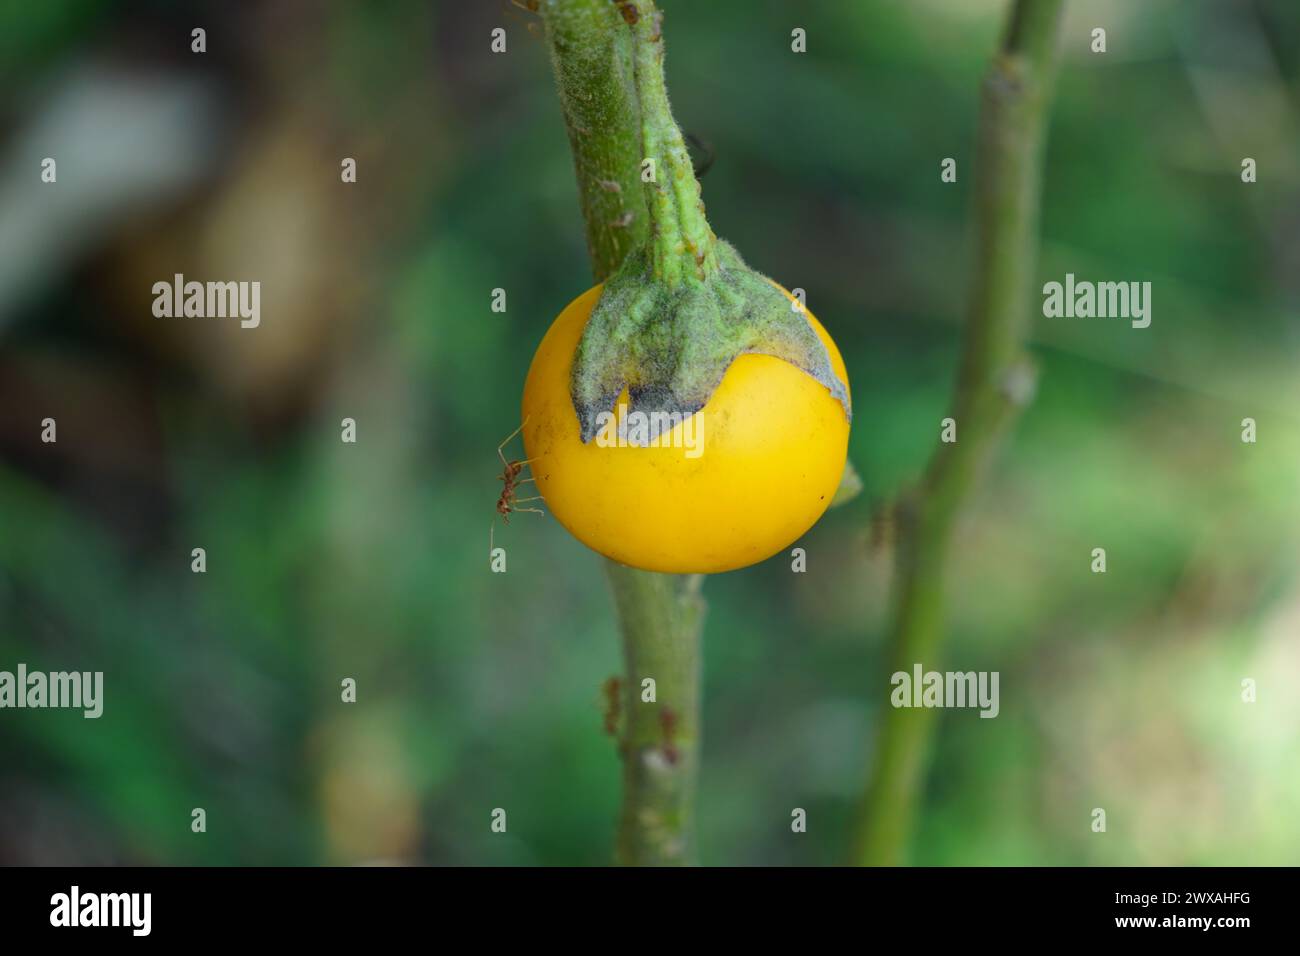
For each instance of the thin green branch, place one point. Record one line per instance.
(995, 380)
(660, 615)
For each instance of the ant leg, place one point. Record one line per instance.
(507, 441)
(535, 498)
(536, 511)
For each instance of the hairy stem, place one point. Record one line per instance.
(591, 53)
(683, 246)
(660, 615)
(996, 378)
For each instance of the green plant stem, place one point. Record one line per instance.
(660, 615)
(683, 247)
(591, 53)
(995, 380)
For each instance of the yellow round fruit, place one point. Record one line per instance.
(737, 482)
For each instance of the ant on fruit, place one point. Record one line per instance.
(510, 482)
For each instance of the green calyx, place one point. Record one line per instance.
(682, 308)
(670, 346)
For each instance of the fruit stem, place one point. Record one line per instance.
(683, 249)
(660, 615)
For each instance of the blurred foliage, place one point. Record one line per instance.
(478, 691)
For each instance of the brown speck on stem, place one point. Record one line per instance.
(668, 724)
(612, 689)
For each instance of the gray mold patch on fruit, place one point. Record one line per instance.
(670, 347)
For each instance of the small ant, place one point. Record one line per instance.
(510, 481)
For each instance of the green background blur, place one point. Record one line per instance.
(479, 690)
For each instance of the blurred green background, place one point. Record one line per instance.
(480, 690)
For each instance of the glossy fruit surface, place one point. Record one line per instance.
(742, 479)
